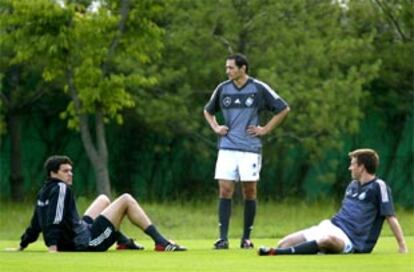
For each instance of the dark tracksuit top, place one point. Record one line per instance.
(57, 217)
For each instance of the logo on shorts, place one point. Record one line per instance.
(227, 101)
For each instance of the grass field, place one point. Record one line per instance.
(194, 225)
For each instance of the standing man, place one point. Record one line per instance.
(357, 225)
(240, 99)
(56, 216)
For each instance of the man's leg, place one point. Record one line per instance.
(250, 195)
(226, 190)
(291, 240)
(327, 244)
(331, 244)
(96, 208)
(127, 205)
(294, 243)
(297, 243)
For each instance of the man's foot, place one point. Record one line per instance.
(169, 247)
(129, 245)
(266, 251)
(221, 244)
(246, 244)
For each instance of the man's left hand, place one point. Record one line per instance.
(256, 131)
(403, 249)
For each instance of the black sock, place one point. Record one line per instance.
(156, 236)
(249, 214)
(310, 247)
(224, 212)
(121, 238)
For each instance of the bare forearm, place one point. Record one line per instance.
(398, 233)
(211, 119)
(258, 131)
(276, 120)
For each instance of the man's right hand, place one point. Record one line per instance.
(403, 248)
(221, 130)
(52, 249)
(14, 249)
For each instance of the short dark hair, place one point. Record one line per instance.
(240, 60)
(367, 157)
(53, 163)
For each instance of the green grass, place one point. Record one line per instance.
(194, 225)
(201, 257)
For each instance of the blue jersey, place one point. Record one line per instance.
(241, 108)
(363, 211)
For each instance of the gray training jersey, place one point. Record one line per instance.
(241, 108)
(363, 211)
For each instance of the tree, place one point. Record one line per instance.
(21, 84)
(99, 55)
(307, 50)
(106, 52)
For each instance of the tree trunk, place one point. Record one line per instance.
(16, 177)
(98, 155)
(102, 174)
(103, 184)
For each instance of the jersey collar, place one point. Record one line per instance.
(244, 85)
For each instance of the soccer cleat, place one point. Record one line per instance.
(246, 244)
(169, 247)
(266, 251)
(221, 244)
(129, 245)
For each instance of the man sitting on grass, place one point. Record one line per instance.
(357, 225)
(57, 217)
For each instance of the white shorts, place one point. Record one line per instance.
(238, 165)
(326, 227)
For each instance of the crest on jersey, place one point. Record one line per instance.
(362, 196)
(226, 101)
(249, 101)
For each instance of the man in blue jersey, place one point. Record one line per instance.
(357, 225)
(240, 99)
(56, 216)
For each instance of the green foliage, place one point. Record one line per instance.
(318, 67)
(100, 75)
(2, 123)
(392, 91)
(30, 28)
(66, 37)
(2, 111)
(305, 50)
(343, 69)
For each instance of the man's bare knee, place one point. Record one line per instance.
(331, 243)
(282, 244)
(291, 240)
(226, 191)
(127, 199)
(104, 199)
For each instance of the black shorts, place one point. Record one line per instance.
(103, 234)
